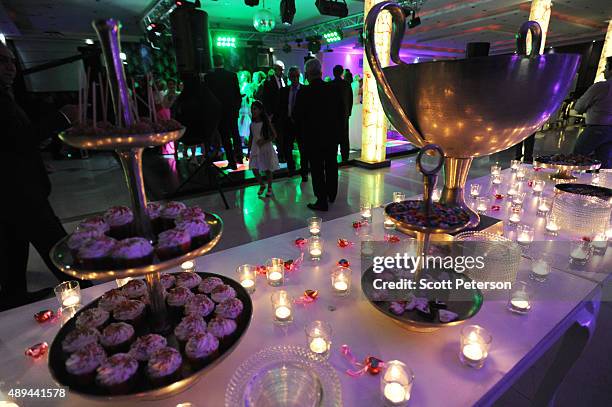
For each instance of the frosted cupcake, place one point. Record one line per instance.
(135, 289)
(93, 318)
(221, 327)
(132, 312)
(167, 281)
(146, 345)
(78, 338)
(231, 308)
(199, 305)
(198, 229)
(120, 219)
(94, 254)
(117, 374)
(82, 364)
(96, 222)
(194, 212)
(164, 366)
(176, 300)
(132, 252)
(117, 337)
(222, 293)
(187, 279)
(111, 299)
(208, 284)
(154, 210)
(200, 348)
(172, 243)
(80, 236)
(189, 325)
(170, 212)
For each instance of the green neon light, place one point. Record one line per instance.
(226, 42)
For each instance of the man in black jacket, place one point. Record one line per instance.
(224, 85)
(345, 93)
(319, 111)
(271, 100)
(26, 216)
(289, 129)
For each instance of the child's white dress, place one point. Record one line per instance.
(263, 157)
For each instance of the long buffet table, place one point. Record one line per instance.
(518, 340)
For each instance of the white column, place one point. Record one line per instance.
(606, 51)
(540, 12)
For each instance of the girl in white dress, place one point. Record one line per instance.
(262, 156)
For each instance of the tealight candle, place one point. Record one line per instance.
(188, 266)
(399, 197)
(388, 224)
(514, 165)
(552, 228)
(435, 195)
(538, 186)
(367, 245)
(496, 179)
(580, 251)
(247, 274)
(396, 384)
(315, 248)
(366, 211)
(482, 204)
(68, 294)
(318, 338)
(519, 302)
(543, 206)
(520, 173)
(275, 271)
(600, 243)
(595, 178)
(314, 226)
(512, 190)
(282, 307)
(341, 281)
(515, 215)
(475, 190)
(524, 235)
(495, 169)
(540, 269)
(518, 198)
(474, 346)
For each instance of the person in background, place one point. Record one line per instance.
(348, 76)
(289, 129)
(169, 95)
(259, 79)
(355, 121)
(271, 101)
(319, 113)
(224, 85)
(345, 93)
(262, 157)
(244, 115)
(596, 102)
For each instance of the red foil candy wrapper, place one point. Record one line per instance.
(530, 183)
(43, 316)
(586, 239)
(374, 365)
(359, 223)
(344, 263)
(308, 297)
(342, 243)
(392, 239)
(499, 197)
(261, 270)
(37, 351)
(300, 242)
(495, 207)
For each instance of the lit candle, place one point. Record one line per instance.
(525, 234)
(246, 276)
(515, 216)
(473, 352)
(318, 345)
(314, 226)
(366, 211)
(281, 304)
(395, 392)
(188, 266)
(519, 298)
(315, 248)
(518, 198)
(275, 276)
(474, 349)
(68, 294)
(524, 238)
(340, 286)
(482, 204)
(275, 272)
(495, 169)
(341, 281)
(514, 165)
(543, 206)
(283, 313)
(551, 225)
(496, 179)
(435, 195)
(367, 245)
(521, 305)
(474, 190)
(600, 242)
(540, 269)
(396, 383)
(512, 190)
(399, 197)
(246, 283)
(538, 186)
(71, 301)
(520, 173)
(580, 252)
(595, 178)
(388, 224)
(318, 337)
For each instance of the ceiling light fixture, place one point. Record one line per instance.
(287, 11)
(333, 36)
(335, 8)
(263, 20)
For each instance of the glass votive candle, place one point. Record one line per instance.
(515, 215)
(599, 243)
(495, 169)
(388, 224)
(68, 294)
(552, 227)
(366, 211)
(435, 195)
(275, 272)
(247, 274)
(524, 235)
(396, 384)
(482, 204)
(122, 281)
(496, 179)
(475, 190)
(519, 301)
(399, 196)
(513, 189)
(282, 307)
(544, 205)
(318, 338)
(188, 266)
(514, 165)
(580, 252)
(518, 198)
(595, 178)
(538, 186)
(314, 226)
(540, 269)
(521, 171)
(341, 281)
(475, 344)
(367, 245)
(315, 248)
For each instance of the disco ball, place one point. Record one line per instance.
(263, 21)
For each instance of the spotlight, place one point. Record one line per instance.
(251, 3)
(226, 42)
(89, 41)
(333, 36)
(314, 44)
(287, 11)
(335, 8)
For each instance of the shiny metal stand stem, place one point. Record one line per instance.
(131, 161)
(455, 175)
(157, 304)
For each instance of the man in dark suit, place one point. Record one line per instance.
(289, 130)
(271, 101)
(319, 112)
(344, 91)
(224, 85)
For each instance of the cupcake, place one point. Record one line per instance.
(78, 338)
(164, 366)
(222, 292)
(200, 347)
(134, 289)
(111, 299)
(154, 210)
(132, 252)
(199, 305)
(82, 364)
(172, 243)
(208, 284)
(187, 279)
(120, 220)
(96, 222)
(117, 374)
(80, 236)
(117, 337)
(167, 281)
(94, 254)
(198, 229)
(93, 318)
(194, 212)
(132, 312)
(170, 212)
(221, 327)
(229, 308)
(143, 347)
(189, 325)
(176, 300)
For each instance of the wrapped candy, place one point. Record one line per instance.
(344, 243)
(300, 242)
(499, 197)
(43, 316)
(308, 297)
(344, 263)
(392, 239)
(495, 207)
(359, 223)
(371, 364)
(37, 351)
